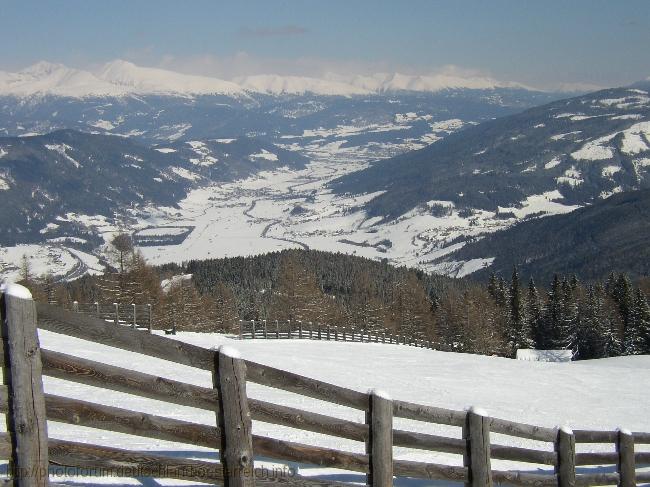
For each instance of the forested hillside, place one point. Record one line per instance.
(594, 319)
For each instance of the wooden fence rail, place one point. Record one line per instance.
(284, 330)
(27, 408)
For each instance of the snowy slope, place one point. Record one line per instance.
(599, 394)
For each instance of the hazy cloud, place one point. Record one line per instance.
(280, 31)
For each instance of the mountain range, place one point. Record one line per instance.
(121, 78)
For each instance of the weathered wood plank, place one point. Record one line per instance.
(642, 457)
(90, 328)
(642, 438)
(588, 436)
(517, 454)
(431, 471)
(523, 479)
(110, 418)
(626, 465)
(423, 441)
(431, 414)
(288, 381)
(477, 459)
(234, 420)
(596, 458)
(379, 445)
(307, 421)
(313, 455)
(565, 448)
(596, 479)
(531, 432)
(26, 419)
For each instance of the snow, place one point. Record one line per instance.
(61, 149)
(269, 156)
(532, 355)
(598, 394)
(229, 351)
(42, 258)
(4, 184)
(121, 78)
(103, 124)
(3, 153)
(165, 284)
(565, 135)
(635, 138)
(15, 290)
(552, 163)
(608, 171)
(296, 85)
(184, 173)
(202, 150)
(166, 150)
(595, 150)
(141, 80)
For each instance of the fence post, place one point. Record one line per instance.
(234, 419)
(379, 446)
(336, 333)
(135, 324)
(626, 464)
(290, 334)
(266, 330)
(117, 313)
(328, 332)
(150, 318)
(477, 455)
(311, 330)
(241, 329)
(300, 329)
(565, 448)
(26, 420)
(253, 332)
(75, 306)
(277, 329)
(97, 309)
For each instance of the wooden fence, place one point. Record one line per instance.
(28, 409)
(274, 330)
(134, 315)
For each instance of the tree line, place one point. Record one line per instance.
(593, 319)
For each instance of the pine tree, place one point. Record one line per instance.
(518, 326)
(592, 333)
(549, 334)
(535, 314)
(637, 335)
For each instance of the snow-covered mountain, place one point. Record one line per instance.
(136, 79)
(120, 78)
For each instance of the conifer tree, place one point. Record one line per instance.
(535, 314)
(592, 333)
(518, 326)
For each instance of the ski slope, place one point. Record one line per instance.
(602, 394)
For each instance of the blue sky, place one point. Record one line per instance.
(541, 43)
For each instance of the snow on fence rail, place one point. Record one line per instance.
(28, 409)
(271, 330)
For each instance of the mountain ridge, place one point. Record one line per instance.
(121, 78)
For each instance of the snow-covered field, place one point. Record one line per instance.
(602, 394)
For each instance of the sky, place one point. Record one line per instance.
(545, 44)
